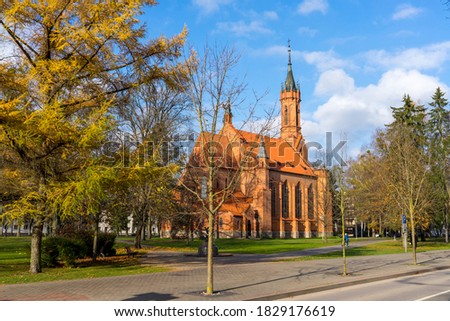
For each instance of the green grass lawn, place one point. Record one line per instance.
(243, 246)
(14, 255)
(380, 248)
(15, 262)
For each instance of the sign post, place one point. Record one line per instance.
(405, 233)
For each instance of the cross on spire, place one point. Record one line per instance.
(289, 51)
(289, 84)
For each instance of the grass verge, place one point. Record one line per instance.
(14, 265)
(242, 246)
(379, 248)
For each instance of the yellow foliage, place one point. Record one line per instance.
(75, 57)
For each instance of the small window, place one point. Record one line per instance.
(285, 115)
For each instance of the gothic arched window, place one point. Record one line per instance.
(273, 198)
(285, 200)
(310, 202)
(298, 201)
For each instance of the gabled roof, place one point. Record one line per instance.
(282, 156)
(230, 145)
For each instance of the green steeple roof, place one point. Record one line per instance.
(289, 85)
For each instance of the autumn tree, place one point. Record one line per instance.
(372, 203)
(89, 194)
(71, 62)
(407, 169)
(149, 192)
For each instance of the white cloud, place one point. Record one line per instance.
(210, 6)
(406, 11)
(335, 81)
(326, 60)
(345, 107)
(309, 6)
(358, 111)
(241, 28)
(429, 57)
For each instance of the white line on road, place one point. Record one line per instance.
(432, 296)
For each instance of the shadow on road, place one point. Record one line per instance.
(152, 296)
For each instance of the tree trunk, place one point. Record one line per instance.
(18, 229)
(138, 236)
(344, 258)
(324, 226)
(413, 235)
(55, 224)
(380, 229)
(30, 224)
(149, 226)
(36, 241)
(95, 241)
(447, 210)
(143, 230)
(210, 263)
(446, 226)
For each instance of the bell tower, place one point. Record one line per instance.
(290, 105)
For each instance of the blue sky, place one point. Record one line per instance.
(353, 58)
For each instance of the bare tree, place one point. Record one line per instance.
(342, 203)
(150, 117)
(216, 165)
(325, 201)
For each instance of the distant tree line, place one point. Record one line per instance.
(406, 171)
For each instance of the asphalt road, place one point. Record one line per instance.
(433, 286)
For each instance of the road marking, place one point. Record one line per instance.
(432, 296)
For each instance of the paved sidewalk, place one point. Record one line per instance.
(236, 277)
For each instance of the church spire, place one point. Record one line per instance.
(290, 104)
(228, 116)
(289, 84)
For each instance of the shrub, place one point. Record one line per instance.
(60, 249)
(105, 240)
(106, 243)
(50, 252)
(71, 250)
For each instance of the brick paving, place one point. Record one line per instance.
(236, 277)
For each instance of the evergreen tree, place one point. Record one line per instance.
(438, 134)
(410, 113)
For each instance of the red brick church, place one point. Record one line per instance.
(281, 195)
